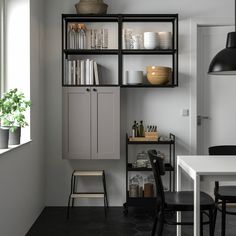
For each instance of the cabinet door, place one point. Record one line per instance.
(105, 133)
(76, 123)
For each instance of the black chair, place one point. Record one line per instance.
(168, 202)
(223, 194)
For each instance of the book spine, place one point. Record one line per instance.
(74, 72)
(87, 72)
(82, 76)
(69, 72)
(96, 73)
(91, 72)
(78, 79)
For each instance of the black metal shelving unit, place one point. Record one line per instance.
(120, 19)
(169, 167)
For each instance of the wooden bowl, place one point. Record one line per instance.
(156, 79)
(158, 69)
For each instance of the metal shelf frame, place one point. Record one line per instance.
(120, 19)
(169, 167)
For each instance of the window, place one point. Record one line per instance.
(16, 51)
(2, 45)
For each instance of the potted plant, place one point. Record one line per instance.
(12, 108)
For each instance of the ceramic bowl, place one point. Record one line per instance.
(156, 79)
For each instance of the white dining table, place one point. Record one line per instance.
(204, 165)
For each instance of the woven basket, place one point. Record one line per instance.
(91, 7)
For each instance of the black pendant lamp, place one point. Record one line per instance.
(224, 62)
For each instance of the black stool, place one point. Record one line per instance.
(74, 194)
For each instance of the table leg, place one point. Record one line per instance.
(197, 205)
(178, 189)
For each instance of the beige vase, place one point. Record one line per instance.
(91, 7)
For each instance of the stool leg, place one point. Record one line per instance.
(73, 191)
(105, 189)
(68, 208)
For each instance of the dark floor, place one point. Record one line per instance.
(91, 221)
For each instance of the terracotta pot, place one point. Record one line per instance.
(91, 7)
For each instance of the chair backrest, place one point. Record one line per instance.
(222, 150)
(158, 170)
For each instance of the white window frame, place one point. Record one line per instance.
(2, 46)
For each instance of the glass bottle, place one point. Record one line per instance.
(104, 38)
(137, 130)
(83, 36)
(141, 129)
(134, 127)
(71, 36)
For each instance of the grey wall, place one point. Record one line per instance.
(159, 106)
(22, 181)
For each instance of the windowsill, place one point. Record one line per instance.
(13, 147)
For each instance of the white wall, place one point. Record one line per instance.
(22, 181)
(159, 106)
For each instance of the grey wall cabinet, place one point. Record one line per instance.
(91, 122)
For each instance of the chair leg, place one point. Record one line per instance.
(223, 218)
(154, 226)
(201, 225)
(211, 225)
(160, 225)
(215, 212)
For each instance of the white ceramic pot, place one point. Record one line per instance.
(151, 40)
(134, 77)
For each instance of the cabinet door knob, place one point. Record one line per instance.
(95, 90)
(88, 90)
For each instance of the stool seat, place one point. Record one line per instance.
(87, 195)
(87, 173)
(74, 194)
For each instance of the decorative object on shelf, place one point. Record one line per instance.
(141, 129)
(104, 38)
(134, 129)
(158, 74)
(136, 186)
(164, 139)
(99, 38)
(137, 41)
(224, 62)
(142, 159)
(127, 40)
(91, 7)
(139, 135)
(134, 77)
(165, 40)
(12, 108)
(76, 34)
(148, 190)
(133, 190)
(151, 40)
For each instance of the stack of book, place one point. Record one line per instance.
(81, 72)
